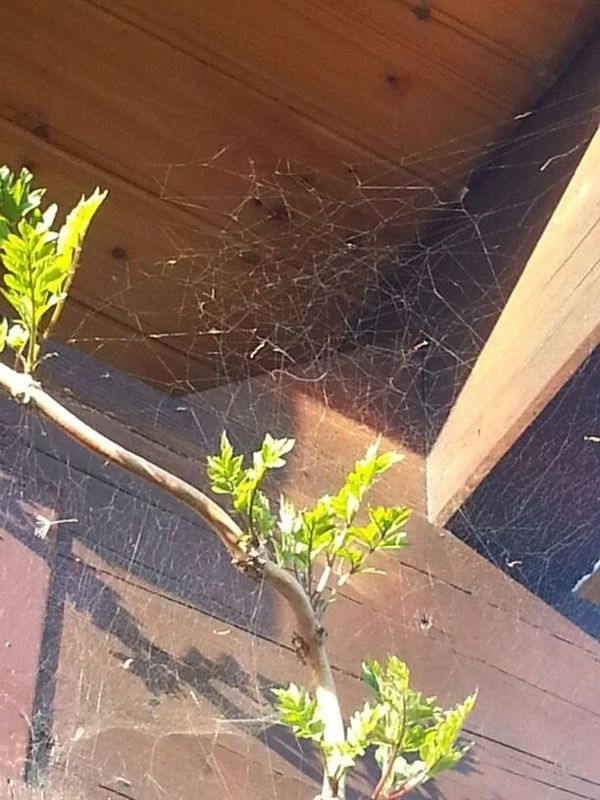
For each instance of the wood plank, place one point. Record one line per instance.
(166, 295)
(415, 74)
(208, 139)
(589, 589)
(104, 499)
(507, 25)
(548, 327)
(137, 585)
(178, 437)
(196, 302)
(24, 578)
(467, 268)
(184, 430)
(181, 691)
(262, 181)
(107, 518)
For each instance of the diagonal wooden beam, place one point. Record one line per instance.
(588, 587)
(551, 322)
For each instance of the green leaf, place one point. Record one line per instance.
(404, 771)
(389, 520)
(371, 677)
(68, 249)
(48, 217)
(224, 470)
(316, 533)
(17, 337)
(17, 198)
(303, 535)
(227, 475)
(410, 724)
(72, 233)
(290, 519)
(396, 673)
(298, 710)
(353, 557)
(386, 682)
(262, 518)
(38, 262)
(3, 333)
(272, 451)
(373, 464)
(289, 525)
(339, 759)
(361, 727)
(26, 255)
(438, 751)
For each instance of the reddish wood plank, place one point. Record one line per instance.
(178, 691)
(25, 567)
(447, 657)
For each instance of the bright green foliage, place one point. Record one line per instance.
(321, 545)
(412, 724)
(298, 710)
(413, 739)
(411, 736)
(373, 464)
(39, 262)
(17, 200)
(228, 476)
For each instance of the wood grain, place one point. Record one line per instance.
(162, 639)
(412, 71)
(259, 161)
(590, 588)
(166, 672)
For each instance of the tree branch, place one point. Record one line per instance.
(25, 390)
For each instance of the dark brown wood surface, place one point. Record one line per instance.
(157, 658)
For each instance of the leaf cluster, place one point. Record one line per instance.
(39, 261)
(412, 738)
(323, 545)
(228, 475)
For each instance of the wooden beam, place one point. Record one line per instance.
(588, 587)
(551, 322)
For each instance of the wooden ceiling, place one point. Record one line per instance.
(262, 157)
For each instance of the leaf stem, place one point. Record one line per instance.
(255, 540)
(309, 565)
(32, 332)
(65, 292)
(385, 775)
(321, 586)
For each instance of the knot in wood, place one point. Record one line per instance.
(22, 386)
(301, 647)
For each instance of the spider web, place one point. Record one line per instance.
(156, 658)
